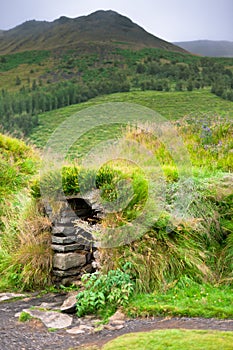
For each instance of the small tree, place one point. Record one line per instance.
(190, 86)
(17, 80)
(179, 86)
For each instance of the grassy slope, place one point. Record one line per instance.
(27, 66)
(87, 63)
(171, 105)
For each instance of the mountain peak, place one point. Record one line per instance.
(110, 17)
(103, 12)
(102, 26)
(63, 19)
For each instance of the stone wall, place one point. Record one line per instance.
(72, 243)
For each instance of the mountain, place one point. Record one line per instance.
(208, 47)
(100, 26)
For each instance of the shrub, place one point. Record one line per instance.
(73, 180)
(102, 290)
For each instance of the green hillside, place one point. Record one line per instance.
(171, 105)
(33, 82)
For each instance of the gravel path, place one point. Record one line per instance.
(33, 335)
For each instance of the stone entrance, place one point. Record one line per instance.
(72, 242)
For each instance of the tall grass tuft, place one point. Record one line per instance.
(25, 247)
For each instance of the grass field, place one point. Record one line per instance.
(171, 105)
(174, 339)
(193, 300)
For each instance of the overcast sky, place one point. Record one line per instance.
(172, 20)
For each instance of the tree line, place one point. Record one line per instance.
(19, 110)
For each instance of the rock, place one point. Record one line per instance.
(63, 240)
(80, 329)
(75, 330)
(67, 220)
(96, 322)
(118, 316)
(84, 237)
(67, 248)
(66, 231)
(87, 269)
(51, 319)
(78, 283)
(67, 212)
(98, 328)
(73, 224)
(69, 305)
(67, 273)
(69, 260)
(85, 327)
(95, 265)
(88, 318)
(49, 306)
(96, 255)
(113, 328)
(118, 322)
(89, 257)
(67, 281)
(8, 296)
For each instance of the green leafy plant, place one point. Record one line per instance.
(103, 290)
(24, 317)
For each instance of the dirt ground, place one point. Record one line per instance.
(33, 335)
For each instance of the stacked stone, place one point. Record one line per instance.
(72, 245)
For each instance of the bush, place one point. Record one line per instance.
(113, 289)
(73, 180)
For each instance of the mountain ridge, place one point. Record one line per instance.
(100, 26)
(211, 48)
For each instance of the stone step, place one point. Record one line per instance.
(64, 240)
(71, 272)
(64, 230)
(66, 261)
(67, 248)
